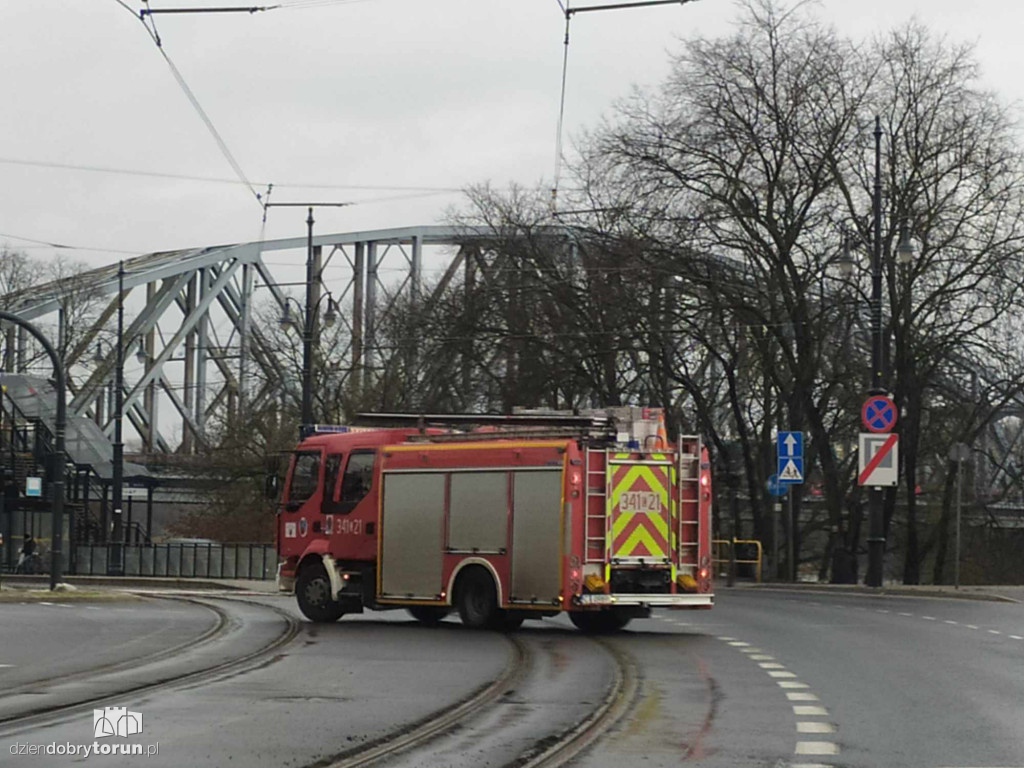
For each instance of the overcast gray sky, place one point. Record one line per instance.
(364, 94)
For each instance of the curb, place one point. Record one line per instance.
(894, 591)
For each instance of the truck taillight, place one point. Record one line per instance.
(703, 573)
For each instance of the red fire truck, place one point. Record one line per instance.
(502, 518)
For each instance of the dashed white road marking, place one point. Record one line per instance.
(1016, 637)
(972, 626)
(881, 610)
(6, 666)
(994, 632)
(801, 696)
(816, 748)
(804, 710)
(813, 726)
(786, 681)
(906, 614)
(950, 621)
(928, 618)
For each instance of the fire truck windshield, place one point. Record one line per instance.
(305, 475)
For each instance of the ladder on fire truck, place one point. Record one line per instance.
(686, 494)
(463, 426)
(689, 503)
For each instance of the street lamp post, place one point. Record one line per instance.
(876, 526)
(114, 566)
(307, 332)
(58, 462)
(308, 327)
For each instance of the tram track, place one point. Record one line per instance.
(413, 743)
(44, 714)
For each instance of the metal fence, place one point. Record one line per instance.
(748, 557)
(206, 561)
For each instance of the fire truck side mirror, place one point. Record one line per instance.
(271, 486)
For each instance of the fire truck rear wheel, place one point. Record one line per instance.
(313, 590)
(428, 614)
(477, 598)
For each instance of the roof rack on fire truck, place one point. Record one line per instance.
(533, 425)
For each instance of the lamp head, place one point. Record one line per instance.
(906, 252)
(845, 260)
(286, 318)
(331, 316)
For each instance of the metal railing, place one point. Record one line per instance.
(722, 551)
(205, 561)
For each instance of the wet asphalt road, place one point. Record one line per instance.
(765, 679)
(56, 638)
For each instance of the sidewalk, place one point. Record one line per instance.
(997, 593)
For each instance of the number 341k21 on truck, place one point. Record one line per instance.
(500, 518)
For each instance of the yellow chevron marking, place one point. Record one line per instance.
(655, 482)
(640, 534)
(625, 518)
(655, 478)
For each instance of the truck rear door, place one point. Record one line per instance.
(639, 513)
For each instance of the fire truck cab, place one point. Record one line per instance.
(521, 517)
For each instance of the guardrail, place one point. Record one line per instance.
(733, 545)
(207, 561)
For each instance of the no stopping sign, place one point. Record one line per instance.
(878, 414)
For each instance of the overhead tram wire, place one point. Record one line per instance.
(568, 11)
(63, 246)
(221, 179)
(147, 11)
(221, 144)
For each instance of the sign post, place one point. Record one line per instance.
(959, 453)
(790, 450)
(877, 456)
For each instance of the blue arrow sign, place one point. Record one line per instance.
(790, 444)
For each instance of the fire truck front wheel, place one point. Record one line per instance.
(313, 590)
(477, 598)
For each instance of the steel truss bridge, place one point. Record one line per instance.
(189, 321)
